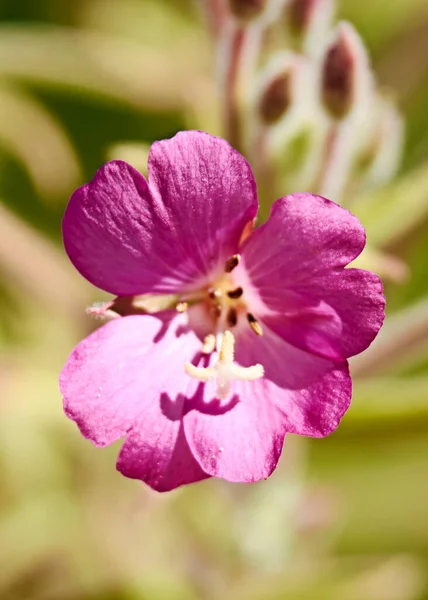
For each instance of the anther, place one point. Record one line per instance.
(214, 293)
(232, 262)
(181, 307)
(234, 294)
(232, 317)
(254, 324)
(209, 344)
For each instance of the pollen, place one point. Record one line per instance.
(226, 370)
(181, 307)
(254, 324)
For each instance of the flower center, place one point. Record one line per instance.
(227, 302)
(226, 305)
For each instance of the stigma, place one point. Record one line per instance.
(226, 370)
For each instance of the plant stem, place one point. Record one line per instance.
(232, 54)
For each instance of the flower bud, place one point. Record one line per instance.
(278, 85)
(298, 14)
(338, 75)
(307, 23)
(275, 99)
(247, 10)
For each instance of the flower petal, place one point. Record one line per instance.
(108, 232)
(299, 286)
(130, 238)
(208, 195)
(316, 329)
(241, 442)
(313, 393)
(105, 381)
(286, 365)
(241, 439)
(357, 298)
(311, 235)
(315, 411)
(156, 452)
(113, 384)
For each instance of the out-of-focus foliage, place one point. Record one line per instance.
(342, 518)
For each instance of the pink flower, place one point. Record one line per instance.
(248, 331)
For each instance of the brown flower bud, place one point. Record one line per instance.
(247, 9)
(307, 22)
(276, 98)
(338, 76)
(298, 14)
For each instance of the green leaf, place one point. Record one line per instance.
(391, 213)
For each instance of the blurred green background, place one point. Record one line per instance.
(345, 518)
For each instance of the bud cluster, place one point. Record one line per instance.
(302, 101)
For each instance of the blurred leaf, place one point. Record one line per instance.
(377, 477)
(388, 401)
(31, 529)
(403, 338)
(382, 20)
(96, 63)
(38, 267)
(154, 23)
(30, 132)
(136, 154)
(391, 213)
(385, 265)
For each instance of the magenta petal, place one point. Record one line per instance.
(243, 441)
(313, 393)
(128, 238)
(284, 364)
(156, 452)
(208, 195)
(357, 298)
(311, 235)
(115, 373)
(303, 291)
(115, 383)
(316, 329)
(111, 375)
(108, 233)
(315, 411)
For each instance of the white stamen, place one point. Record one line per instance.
(226, 370)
